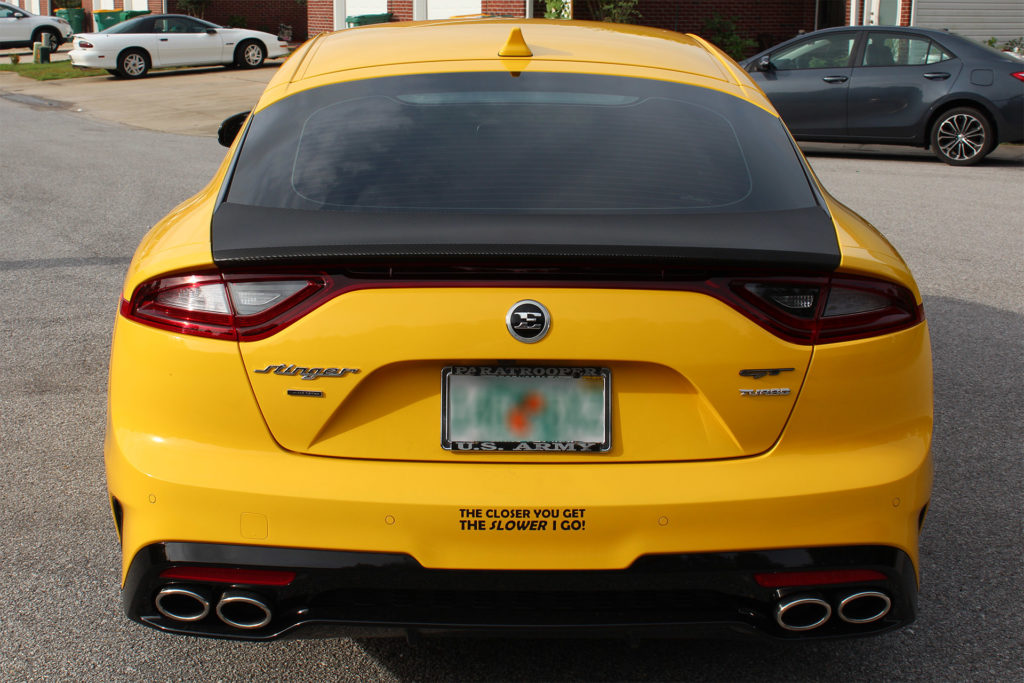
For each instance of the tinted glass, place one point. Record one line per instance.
(824, 52)
(532, 143)
(893, 50)
(139, 25)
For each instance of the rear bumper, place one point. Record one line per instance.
(358, 594)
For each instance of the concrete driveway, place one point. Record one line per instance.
(187, 101)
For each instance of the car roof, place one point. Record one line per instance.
(474, 44)
(946, 38)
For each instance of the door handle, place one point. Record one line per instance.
(835, 79)
(163, 40)
(937, 76)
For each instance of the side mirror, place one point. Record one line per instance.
(211, 31)
(765, 64)
(229, 128)
(19, 15)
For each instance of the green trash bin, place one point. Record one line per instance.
(132, 13)
(367, 19)
(105, 18)
(74, 16)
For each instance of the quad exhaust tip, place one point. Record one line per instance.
(864, 607)
(182, 604)
(802, 613)
(243, 610)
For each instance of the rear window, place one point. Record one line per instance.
(535, 142)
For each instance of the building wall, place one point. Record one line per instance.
(320, 16)
(505, 8)
(261, 15)
(765, 21)
(976, 19)
(401, 10)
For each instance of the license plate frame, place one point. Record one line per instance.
(542, 378)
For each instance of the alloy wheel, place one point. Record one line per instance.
(961, 137)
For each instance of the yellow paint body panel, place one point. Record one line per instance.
(189, 457)
(676, 394)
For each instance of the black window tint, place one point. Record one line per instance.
(937, 54)
(536, 143)
(139, 25)
(823, 52)
(887, 49)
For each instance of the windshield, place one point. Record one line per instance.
(529, 143)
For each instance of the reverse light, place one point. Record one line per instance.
(231, 306)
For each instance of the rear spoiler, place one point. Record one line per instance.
(798, 239)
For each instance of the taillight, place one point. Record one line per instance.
(1018, 75)
(812, 309)
(238, 307)
(819, 310)
(85, 43)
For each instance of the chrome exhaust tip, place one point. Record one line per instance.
(864, 607)
(802, 613)
(243, 610)
(182, 604)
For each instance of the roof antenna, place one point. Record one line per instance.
(515, 46)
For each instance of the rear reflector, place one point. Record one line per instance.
(252, 577)
(817, 578)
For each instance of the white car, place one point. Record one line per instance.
(21, 28)
(130, 49)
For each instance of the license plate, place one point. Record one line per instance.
(526, 408)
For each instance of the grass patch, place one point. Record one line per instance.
(50, 72)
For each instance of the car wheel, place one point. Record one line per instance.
(962, 136)
(250, 54)
(132, 64)
(55, 38)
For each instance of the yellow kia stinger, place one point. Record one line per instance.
(523, 327)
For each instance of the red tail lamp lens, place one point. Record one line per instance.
(237, 307)
(817, 578)
(252, 577)
(816, 310)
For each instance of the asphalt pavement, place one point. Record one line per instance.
(80, 190)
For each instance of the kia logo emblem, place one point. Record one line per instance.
(528, 321)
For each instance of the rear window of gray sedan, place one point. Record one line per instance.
(533, 142)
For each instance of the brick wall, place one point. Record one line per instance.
(320, 16)
(508, 8)
(259, 15)
(401, 10)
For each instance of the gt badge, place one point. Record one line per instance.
(763, 372)
(528, 321)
